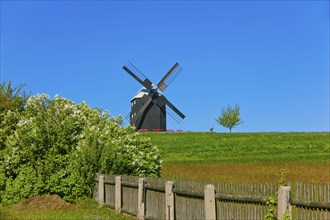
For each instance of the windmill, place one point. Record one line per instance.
(149, 106)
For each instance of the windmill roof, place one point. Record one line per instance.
(141, 93)
(145, 91)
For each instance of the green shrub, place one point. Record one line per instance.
(58, 147)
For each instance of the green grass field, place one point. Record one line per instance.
(213, 157)
(54, 208)
(244, 157)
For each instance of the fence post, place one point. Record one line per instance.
(284, 205)
(101, 190)
(118, 194)
(169, 200)
(209, 202)
(141, 199)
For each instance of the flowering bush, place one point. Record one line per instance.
(58, 147)
(12, 101)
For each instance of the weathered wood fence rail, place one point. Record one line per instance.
(155, 198)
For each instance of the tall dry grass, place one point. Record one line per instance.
(249, 173)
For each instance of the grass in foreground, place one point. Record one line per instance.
(244, 157)
(54, 208)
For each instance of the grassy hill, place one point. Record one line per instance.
(248, 157)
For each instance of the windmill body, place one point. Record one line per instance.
(149, 106)
(153, 117)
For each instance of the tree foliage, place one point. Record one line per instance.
(12, 98)
(58, 146)
(12, 101)
(230, 117)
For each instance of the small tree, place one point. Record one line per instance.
(229, 117)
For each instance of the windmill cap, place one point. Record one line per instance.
(145, 91)
(141, 93)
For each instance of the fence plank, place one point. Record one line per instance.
(118, 194)
(155, 198)
(109, 182)
(248, 201)
(170, 212)
(129, 200)
(189, 206)
(101, 190)
(209, 202)
(311, 201)
(141, 199)
(284, 205)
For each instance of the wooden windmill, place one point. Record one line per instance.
(149, 106)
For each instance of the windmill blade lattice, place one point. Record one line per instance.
(138, 75)
(169, 77)
(174, 112)
(173, 115)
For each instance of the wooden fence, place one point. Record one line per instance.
(155, 198)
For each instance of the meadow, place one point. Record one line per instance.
(244, 157)
(211, 157)
(54, 208)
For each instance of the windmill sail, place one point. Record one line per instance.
(169, 77)
(174, 112)
(137, 75)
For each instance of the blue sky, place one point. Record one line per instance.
(271, 58)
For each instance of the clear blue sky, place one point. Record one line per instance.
(271, 58)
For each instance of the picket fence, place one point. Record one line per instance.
(155, 198)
